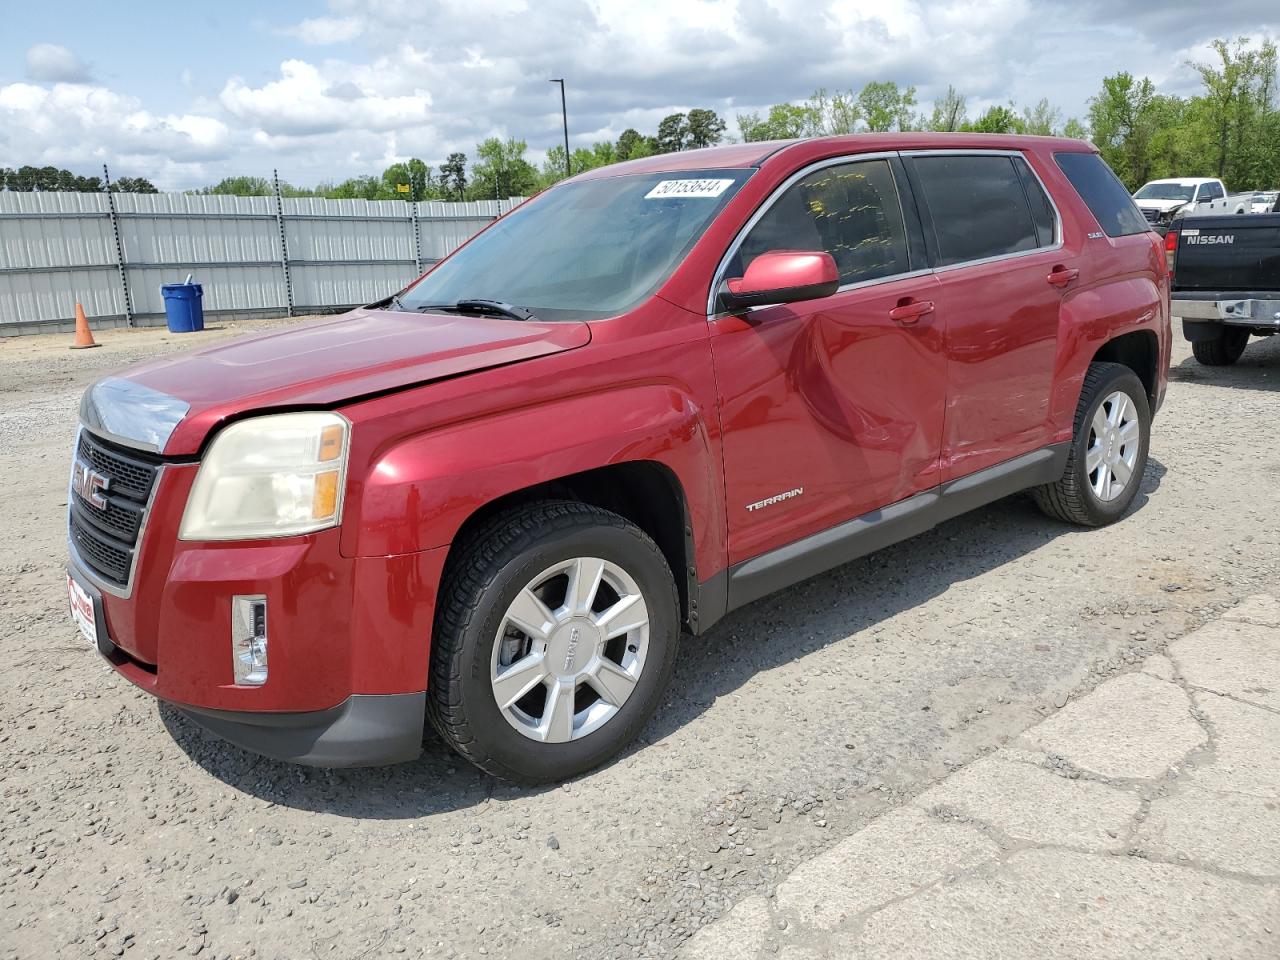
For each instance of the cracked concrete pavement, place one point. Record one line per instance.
(1143, 820)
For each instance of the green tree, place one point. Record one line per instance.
(673, 132)
(553, 167)
(833, 114)
(1042, 120)
(704, 128)
(784, 121)
(1074, 129)
(949, 112)
(630, 141)
(421, 183)
(358, 188)
(884, 106)
(241, 187)
(26, 179)
(133, 185)
(501, 170)
(1122, 119)
(1239, 95)
(453, 176)
(996, 119)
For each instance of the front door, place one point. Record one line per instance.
(831, 408)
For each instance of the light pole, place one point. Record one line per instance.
(564, 113)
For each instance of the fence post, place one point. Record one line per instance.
(417, 237)
(115, 230)
(284, 243)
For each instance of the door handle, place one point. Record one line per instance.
(909, 311)
(1061, 276)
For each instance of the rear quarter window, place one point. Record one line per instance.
(1103, 193)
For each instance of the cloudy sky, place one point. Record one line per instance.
(187, 93)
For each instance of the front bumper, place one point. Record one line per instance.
(362, 731)
(1253, 312)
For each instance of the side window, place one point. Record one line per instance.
(1103, 193)
(1211, 191)
(978, 206)
(1041, 210)
(851, 211)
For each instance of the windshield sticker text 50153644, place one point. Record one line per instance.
(688, 188)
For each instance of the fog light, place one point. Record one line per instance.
(249, 640)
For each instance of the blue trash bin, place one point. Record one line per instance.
(183, 306)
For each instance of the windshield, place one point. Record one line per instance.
(584, 250)
(1166, 191)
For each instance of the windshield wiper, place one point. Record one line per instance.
(494, 307)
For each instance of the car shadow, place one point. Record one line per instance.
(764, 634)
(1257, 369)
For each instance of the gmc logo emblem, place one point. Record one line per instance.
(89, 484)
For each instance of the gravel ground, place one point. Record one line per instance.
(127, 831)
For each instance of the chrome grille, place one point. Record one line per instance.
(105, 538)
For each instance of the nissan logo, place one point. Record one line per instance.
(90, 485)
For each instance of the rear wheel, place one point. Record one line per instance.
(555, 637)
(1108, 452)
(1224, 349)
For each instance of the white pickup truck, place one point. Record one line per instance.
(1162, 200)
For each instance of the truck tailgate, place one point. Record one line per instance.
(1227, 253)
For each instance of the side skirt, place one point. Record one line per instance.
(772, 571)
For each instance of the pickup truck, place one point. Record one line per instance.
(1226, 282)
(495, 502)
(1163, 200)
(1265, 201)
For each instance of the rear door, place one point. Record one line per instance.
(995, 238)
(831, 408)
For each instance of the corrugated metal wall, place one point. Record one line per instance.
(57, 248)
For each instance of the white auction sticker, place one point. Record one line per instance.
(688, 188)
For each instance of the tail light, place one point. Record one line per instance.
(1170, 250)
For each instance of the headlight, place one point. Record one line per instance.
(274, 476)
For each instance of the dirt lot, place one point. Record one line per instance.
(128, 831)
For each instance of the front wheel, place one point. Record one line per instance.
(1108, 453)
(555, 637)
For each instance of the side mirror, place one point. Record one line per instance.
(782, 276)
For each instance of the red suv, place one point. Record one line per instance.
(646, 397)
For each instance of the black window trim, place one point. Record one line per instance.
(927, 216)
(907, 206)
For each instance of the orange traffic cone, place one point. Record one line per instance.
(84, 336)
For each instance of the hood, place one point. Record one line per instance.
(1164, 206)
(179, 399)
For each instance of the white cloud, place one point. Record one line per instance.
(79, 126)
(322, 31)
(304, 100)
(426, 79)
(53, 63)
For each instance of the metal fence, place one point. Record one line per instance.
(255, 256)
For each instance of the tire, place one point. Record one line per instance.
(1223, 350)
(1073, 498)
(503, 560)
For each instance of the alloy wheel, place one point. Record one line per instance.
(1115, 435)
(570, 650)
